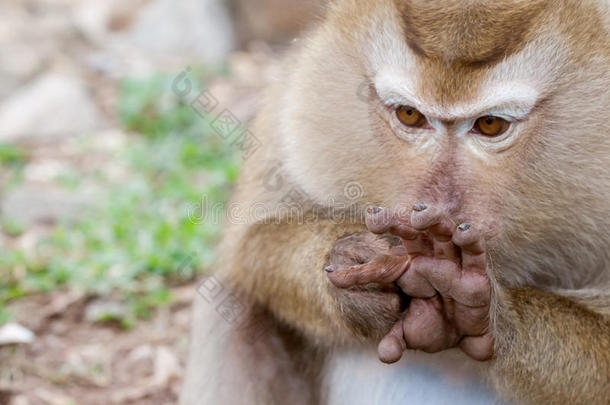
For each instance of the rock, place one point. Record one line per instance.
(101, 310)
(13, 333)
(166, 366)
(52, 106)
(107, 63)
(141, 353)
(194, 29)
(98, 19)
(29, 204)
(18, 63)
(92, 19)
(131, 394)
(19, 400)
(62, 302)
(109, 141)
(92, 362)
(45, 171)
(54, 397)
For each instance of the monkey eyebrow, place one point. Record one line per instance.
(511, 100)
(395, 88)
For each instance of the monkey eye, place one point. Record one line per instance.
(410, 117)
(491, 126)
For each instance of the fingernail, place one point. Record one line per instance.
(374, 210)
(420, 207)
(464, 227)
(329, 269)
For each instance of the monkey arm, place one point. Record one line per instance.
(281, 267)
(552, 349)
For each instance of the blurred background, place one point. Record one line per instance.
(108, 157)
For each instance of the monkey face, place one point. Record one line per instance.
(492, 120)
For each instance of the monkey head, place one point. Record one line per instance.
(495, 111)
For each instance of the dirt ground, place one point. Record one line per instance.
(73, 361)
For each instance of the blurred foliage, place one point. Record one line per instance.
(12, 160)
(139, 239)
(12, 155)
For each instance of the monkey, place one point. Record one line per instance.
(474, 255)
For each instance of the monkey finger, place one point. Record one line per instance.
(480, 348)
(420, 246)
(398, 251)
(380, 220)
(444, 276)
(446, 250)
(470, 321)
(473, 249)
(414, 284)
(383, 269)
(440, 274)
(426, 329)
(392, 346)
(439, 227)
(469, 239)
(471, 289)
(433, 220)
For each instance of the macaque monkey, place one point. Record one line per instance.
(474, 257)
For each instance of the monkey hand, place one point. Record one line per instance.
(370, 310)
(443, 268)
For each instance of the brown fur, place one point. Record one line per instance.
(493, 30)
(457, 40)
(544, 201)
(552, 351)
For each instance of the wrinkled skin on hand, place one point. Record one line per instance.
(442, 266)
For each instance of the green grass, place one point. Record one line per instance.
(12, 160)
(139, 239)
(11, 155)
